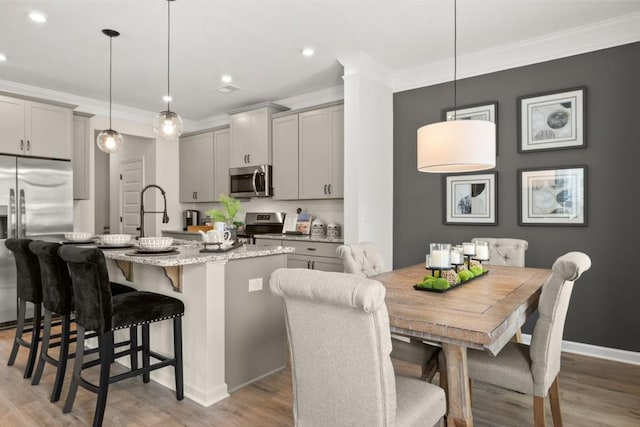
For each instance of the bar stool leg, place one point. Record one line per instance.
(146, 376)
(177, 351)
(133, 339)
(106, 350)
(22, 309)
(44, 350)
(35, 340)
(77, 369)
(63, 357)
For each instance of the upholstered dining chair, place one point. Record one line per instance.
(505, 251)
(364, 260)
(28, 290)
(534, 369)
(339, 339)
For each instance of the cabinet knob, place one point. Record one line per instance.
(248, 158)
(312, 249)
(28, 145)
(196, 195)
(325, 189)
(329, 188)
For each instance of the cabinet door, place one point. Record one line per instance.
(327, 264)
(11, 125)
(257, 146)
(205, 161)
(336, 189)
(80, 160)
(221, 141)
(48, 130)
(285, 158)
(315, 154)
(240, 131)
(297, 261)
(188, 169)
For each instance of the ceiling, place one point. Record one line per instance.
(257, 42)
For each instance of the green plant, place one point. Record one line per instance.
(231, 207)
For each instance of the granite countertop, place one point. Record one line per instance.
(189, 253)
(303, 238)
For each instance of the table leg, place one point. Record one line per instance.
(459, 404)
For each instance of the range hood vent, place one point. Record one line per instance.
(227, 89)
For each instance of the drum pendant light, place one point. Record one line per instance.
(456, 145)
(168, 124)
(109, 141)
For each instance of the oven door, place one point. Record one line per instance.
(253, 181)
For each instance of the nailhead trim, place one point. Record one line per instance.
(149, 321)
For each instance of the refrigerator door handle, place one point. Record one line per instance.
(12, 213)
(22, 233)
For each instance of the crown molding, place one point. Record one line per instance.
(363, 64)
(587, 38)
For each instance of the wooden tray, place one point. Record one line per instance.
(441, 291)
(195, 228)
(216, 249)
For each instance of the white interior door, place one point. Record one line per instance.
(131, 183)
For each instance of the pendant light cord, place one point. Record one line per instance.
(110, 76)
(455, 59)
(168, 54)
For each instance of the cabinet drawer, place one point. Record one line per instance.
(314, 248)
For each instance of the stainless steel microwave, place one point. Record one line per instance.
(251, 181)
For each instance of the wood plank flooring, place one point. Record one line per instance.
(593, 392)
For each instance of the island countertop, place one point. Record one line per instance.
(190, 254)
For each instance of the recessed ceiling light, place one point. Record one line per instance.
(308, 51)
(2, 57)
(226, 78)
(167, 98)
(37, 17)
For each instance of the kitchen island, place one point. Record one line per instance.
(233, 327)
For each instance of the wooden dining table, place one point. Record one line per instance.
(482, 314)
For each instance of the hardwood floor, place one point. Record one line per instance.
(593, 392)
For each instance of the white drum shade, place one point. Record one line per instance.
(457, 146)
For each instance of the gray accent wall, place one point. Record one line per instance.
(605, 305)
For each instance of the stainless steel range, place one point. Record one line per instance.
(261, 223)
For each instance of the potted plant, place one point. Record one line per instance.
(230, 208)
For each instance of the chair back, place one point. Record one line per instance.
(546, 339)
(28, 283)
(504, 251)
(362, 259)
(91, 289)
(340, 342)
(57, 295)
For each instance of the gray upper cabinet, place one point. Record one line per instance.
(204, 166)
(285, 157)
(251, 136)
(80, 160)
(32, 128)
(321, 153)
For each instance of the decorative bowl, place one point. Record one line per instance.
(78, 236)
(155, 242)
(115, 239)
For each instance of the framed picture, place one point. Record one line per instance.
(485, 111)
(553, 196)
(552, 120)
(471, 199)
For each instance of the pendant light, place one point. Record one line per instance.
(168, 124)
(109, 141)
(457, 145)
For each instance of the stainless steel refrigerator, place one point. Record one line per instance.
(36, 202)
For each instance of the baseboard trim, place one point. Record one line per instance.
(608, 353)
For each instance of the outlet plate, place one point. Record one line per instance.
(255, 284)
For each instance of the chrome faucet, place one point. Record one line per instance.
(165, 217)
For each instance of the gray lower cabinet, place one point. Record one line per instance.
(314, 256)
(204, 166)
(268, 243)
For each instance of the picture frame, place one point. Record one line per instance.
(552, 120)
(553, 196)
(470, 199)
(482, 111)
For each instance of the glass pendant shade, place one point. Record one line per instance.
(167, 125)
(457, 146)
(109, 141)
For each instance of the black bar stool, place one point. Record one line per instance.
(97, 310)
(57, 298)
(29, 289)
